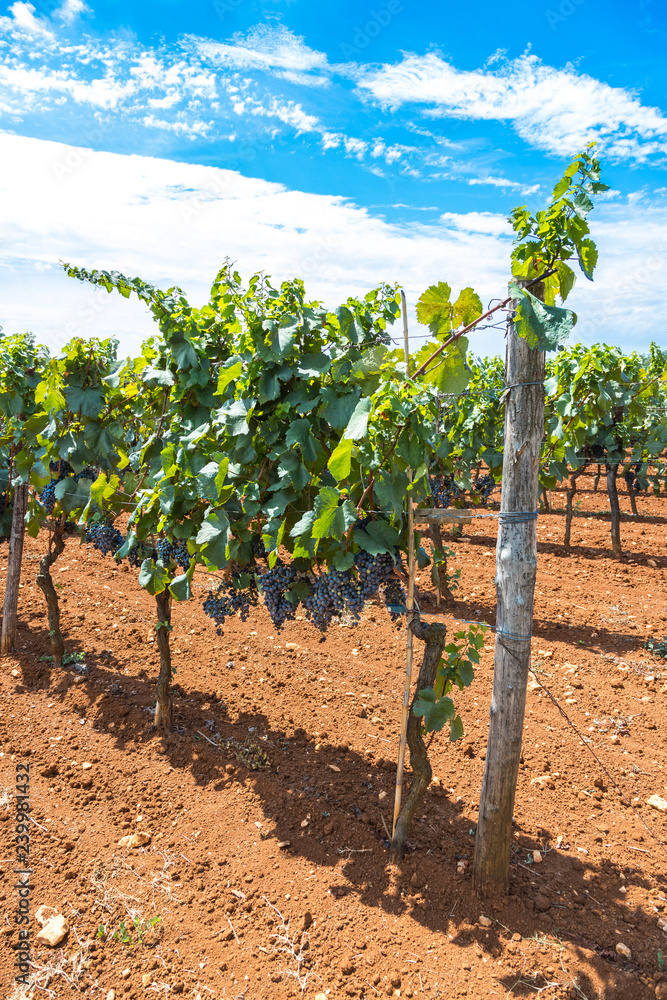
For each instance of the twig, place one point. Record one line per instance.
(234, 932)
(466, 329)
(206, 738)
(43, 828)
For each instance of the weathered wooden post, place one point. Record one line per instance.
(14, 559)
(516, 566)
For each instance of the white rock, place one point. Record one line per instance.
(53, 932)
(86, 766)
(134, 840)
(657, 803)
(537, 857)
(111, 995)
(485, 921)
(382, 796)
(44, 914)
(623, 951)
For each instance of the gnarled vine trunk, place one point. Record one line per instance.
(435, 637)
(596, 481)
(612, 490)
(630, 483)
(45, 584)
(15, 556)
(164, 708)
(442, 589)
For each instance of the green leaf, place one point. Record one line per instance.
(357, 427)
(376, 537)
(213, 536)
(543, 327)
(340, 463)
(153, 577)
(89, 402)
(235, 416)
(72, 496)
(332, 521)
(370, 362)
(179, 587)
(566, 279)
(222, 474)
(228, 375)
(456, 729)
(435, 712)
(206, 482)
(467, 308)
(588, 257)
(561, 188)
(423, 560)
(449, 371)
(337, 409)
(434, 305)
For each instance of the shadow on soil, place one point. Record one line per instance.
(326, 803)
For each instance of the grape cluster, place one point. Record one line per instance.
(274, 584)
(139, 552)
(63, 470)
(104, 537)
(337, 592)
(485, 485)
(632, 478)
(176, 551)
(444, 490)
(230, 599)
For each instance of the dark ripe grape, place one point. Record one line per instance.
(485, 485)
(47, 497)
(60, 468)
(275, 584)
(139, 552)
(104, 537)
(89, 474)
(338, 592)
(395, 599)
(175, 551)
(258, 548)
(231, 598)
(444, 490)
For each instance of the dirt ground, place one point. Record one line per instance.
(267, 873)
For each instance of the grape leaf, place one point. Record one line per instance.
(543, 327)
(340, 463)
(588, 257)
(467, 308)
(433, 304)
(357, 427)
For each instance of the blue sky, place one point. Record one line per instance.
(349, 143)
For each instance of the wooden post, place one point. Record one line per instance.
(411, 598)
(15, 556)
(516, 566)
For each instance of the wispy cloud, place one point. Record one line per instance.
(175, 222)
(557, 110)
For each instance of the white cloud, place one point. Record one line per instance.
(174, 223)
(557, 110)
(504, 182)
(23, 21)
(267, 47)
(477, 222)
(69, 10)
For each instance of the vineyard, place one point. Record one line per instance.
(219, 552)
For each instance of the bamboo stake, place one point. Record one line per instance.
(411, 597)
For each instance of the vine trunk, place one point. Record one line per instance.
(45, 584)
(435, 637)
